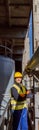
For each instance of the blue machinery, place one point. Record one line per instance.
(7, 68)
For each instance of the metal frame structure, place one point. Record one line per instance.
(32, 69)
(32, 64)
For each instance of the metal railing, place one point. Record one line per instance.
(5, 109)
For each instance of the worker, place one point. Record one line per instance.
(18, 104)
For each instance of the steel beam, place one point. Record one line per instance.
(20, 4)
(19, 1)
(13, 32)
(21, 17)
(7, 10)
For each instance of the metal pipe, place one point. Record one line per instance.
(33, 63)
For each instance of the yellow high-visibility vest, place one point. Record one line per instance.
(17, 105)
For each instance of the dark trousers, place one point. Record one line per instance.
(20, 119)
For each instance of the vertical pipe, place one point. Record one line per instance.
(32, 29)
(30, 34)
(31, 38)
(33, 53)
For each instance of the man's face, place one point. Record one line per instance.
(18, 80)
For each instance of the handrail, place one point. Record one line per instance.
(6, 48)
(2, 117)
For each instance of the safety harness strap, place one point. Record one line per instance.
(23, 91)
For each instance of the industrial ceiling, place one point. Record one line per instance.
(14, 21)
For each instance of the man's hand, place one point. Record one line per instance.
(22, 95)
(28, 91)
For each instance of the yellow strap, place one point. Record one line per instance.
(19, 89)
(17, 102)
(19, 107)
(15, 86)
(24, 90)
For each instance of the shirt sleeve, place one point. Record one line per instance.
(16, 96)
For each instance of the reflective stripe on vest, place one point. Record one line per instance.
(16, 105)
(23, 91)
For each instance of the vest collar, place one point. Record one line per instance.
(19, 85)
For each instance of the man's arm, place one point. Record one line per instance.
(18, 97)
(26, 93)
